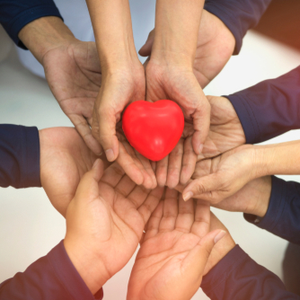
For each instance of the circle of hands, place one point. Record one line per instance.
(111, 208)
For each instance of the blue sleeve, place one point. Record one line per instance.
(269, 108)
(282, 217)
(238, 15)
(50, 277)
(20, 156)
(15, 14)
(237, 276)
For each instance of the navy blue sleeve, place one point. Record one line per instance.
(269, 108)
(50, 277)
(238, 15)
(15, 14)
(237, 276)
(282, 217)
(20, 156)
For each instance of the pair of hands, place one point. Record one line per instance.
(105, 223)
(74, 75)
(109, 213)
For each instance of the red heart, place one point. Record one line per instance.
(153, 129)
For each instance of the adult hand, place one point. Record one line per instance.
(72, 70)
(215, 46)
(220, 177)
(105, 222)
(174, 251)
(64, 159)
(74, 76)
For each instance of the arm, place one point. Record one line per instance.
(238, 15)
(16, 14)
(20, 156)
(269, 108)
(237, 276)
(50, 277)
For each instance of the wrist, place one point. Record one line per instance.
(87, 265)
(45, 34)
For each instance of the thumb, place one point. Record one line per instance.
(88, 188)
(201, 186)
(147, 47)
(198, 257)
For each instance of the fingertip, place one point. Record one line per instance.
(187, 195)
(219, 236)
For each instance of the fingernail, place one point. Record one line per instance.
(110, 155)
(219, 236)
(187, 196)
(200, 148)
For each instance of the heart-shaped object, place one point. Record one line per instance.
(153, 129)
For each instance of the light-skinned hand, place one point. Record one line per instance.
(174, 251)
(105, 222)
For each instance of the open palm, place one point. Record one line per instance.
(174, 251)
(74, 75)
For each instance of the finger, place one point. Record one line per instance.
(125, 186)
(150, 204)
(170, 211)
(85, 131)
(174, 165)
(146, 164)
(106, 130)
(154, 221)
(113, 174)
(185, 218)
(204, 185)
(197, 258)
(129, 166)
(162, 171)
(88, 186)
(147, 47)
(201, 225)
(188, 162)
(201, 122)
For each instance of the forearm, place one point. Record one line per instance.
(277, 159)
(238, 15)
(237, 276)
(15, 14)
(269, 108)
(50, 277)
(20, 156)
(113, 33)
(176, 31)
(44, 34)
(282, 211)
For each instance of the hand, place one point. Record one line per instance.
(253, 198)
(74, 75)
(105, 222)
(174, 251)
(180, 164)
(214, 48)
(220, 177)
(226, 131)
(64, 159)
(225, 245)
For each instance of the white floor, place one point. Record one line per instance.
(29, 225)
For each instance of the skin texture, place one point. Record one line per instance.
(174, 251)
(105, 222)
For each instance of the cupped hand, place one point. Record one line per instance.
(214, 48)
(225, 132)
(105, 221)
(174, 251)
(220, 177)
(64, 159)
(73, 73)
